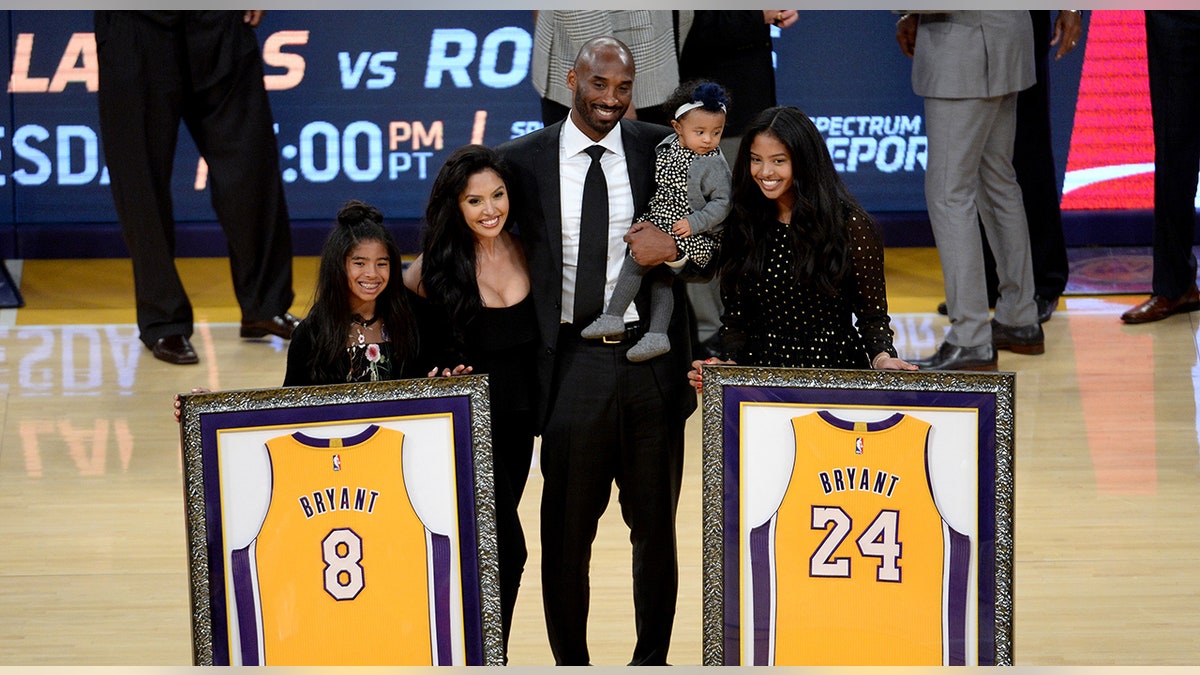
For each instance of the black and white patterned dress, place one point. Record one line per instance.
(670, 201)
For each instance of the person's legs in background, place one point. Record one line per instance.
(141, 104)
(705, 298)
(1173, 61)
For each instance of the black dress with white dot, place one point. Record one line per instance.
(670, 201)
(775, 321)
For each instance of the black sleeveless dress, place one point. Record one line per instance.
(500, 342)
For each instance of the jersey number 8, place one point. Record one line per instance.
(342, 552)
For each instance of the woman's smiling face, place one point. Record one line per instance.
(771, 168)
(484, 204)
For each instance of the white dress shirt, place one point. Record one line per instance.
(573, 166)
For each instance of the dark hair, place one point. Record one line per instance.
(329, 318)
(822, 206)
(710, 94)
(448, 244)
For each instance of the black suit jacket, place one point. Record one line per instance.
(732, 48)
(536, 206)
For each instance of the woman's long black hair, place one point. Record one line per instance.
(822, 206)
(329, 318)
(448, 244)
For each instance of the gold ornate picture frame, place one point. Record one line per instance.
(341, 525)
(794, 575)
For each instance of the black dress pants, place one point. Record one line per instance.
(204, 69)
(1173, 59)
(608, 423)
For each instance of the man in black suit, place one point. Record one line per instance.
(602, 417)
(158, 68)
(1173, 64)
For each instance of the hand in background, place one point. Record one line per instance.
(891, 363)
(906, 34)
(460, 369)
(179, 402)
(1068, 29)
(696, 374)
(780, 17)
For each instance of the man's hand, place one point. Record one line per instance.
(253, 17)
(780, 17)
(1068, 28)
(650, 246)
(906, 34)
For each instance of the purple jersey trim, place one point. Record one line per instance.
(760, 567)
(243, 592)
(847, 425)
(441, 597)
(956, 602)
(356, 439)
(731, 562)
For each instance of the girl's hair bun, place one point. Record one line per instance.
(354, 212)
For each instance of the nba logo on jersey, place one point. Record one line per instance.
(858, 445)
(337, 462)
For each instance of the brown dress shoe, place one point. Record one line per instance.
(1019, 339)
(175, 349)
(281, 325)
(952, 357)
(1158, 308)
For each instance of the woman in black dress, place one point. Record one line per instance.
(801, 262)
(470, 289)
(360, 327)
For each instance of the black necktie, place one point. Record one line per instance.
(593, 242)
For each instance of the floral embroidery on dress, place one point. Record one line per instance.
(368, 361)
(373, 357)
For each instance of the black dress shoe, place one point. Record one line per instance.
(1019, 339)
(281, 325)
(952, 357)
(1045, 307)
(175, 349)
(1158, 307)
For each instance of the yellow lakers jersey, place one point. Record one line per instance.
(859, 547)
(341, 559)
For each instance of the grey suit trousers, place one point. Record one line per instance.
(969, 173)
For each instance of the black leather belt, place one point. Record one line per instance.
(633, 332)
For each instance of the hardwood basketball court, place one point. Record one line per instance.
(93, 558)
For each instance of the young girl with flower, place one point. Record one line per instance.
(360, 327)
